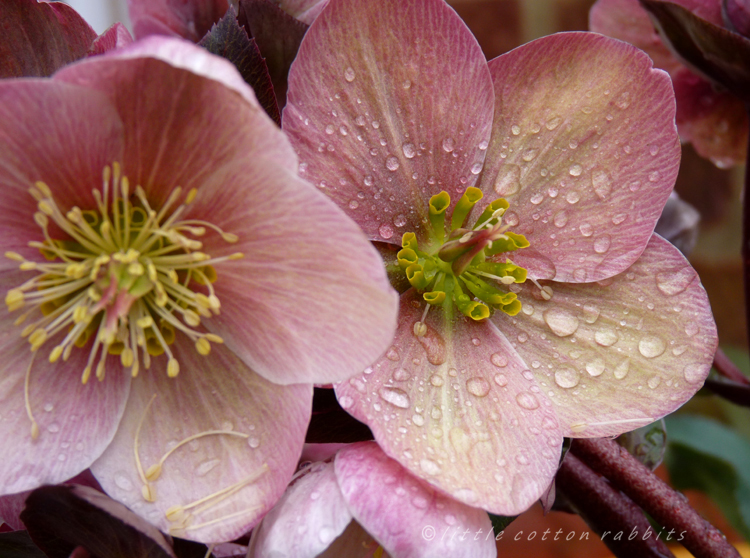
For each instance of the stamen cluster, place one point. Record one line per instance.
(454, 270)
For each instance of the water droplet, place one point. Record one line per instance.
(586, 229)
(575, 170)
(508, 180)
(590, 313)
(606, 337)
(375, 124)
(326, 535)
(623, 101)
(695, 373)
(401, 375)
(522, 460)
(602, 184)
(691, 328)
(651, 346)
(536, 199)
(653, 176)
(499, 360)
(392, 164)
(386, 231)
(580, 275)
(54, 427)
(369, 180)
(409, 150)
(436, 413)
(436, 380)
(653, 149)
(529, 155)
(527, 400)
(476, 168)
(654, 382)
(48, 407)
(345, 401)
(511, 218)
(354, 204)
(561, 322)
(501, 380)
(527, 309)
(572, 197)
(621, 370)
(478, 386)
(619, 218)
(449, 145)
(674, 282)
(396, 397)
(560, 219)
(399, 220)
(204, 468)
(429, 467)
(553, 122)
(595, 367)
(515, 130)
(573, 144)
(566, 378)
(349, 74)
(122, 481)
(601, 244)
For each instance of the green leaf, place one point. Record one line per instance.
(500, 522)
(714, 52)
(706, 455)
(646, 444)
(228, 40)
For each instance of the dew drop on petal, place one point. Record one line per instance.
(436, 380)
(566, 378)
(449, 145)
(536, 199)
(619, 218)
(477, 386)
(418, 420)
(595, 367)
(386, 231)
(561, 322)
(508, 180)
(601, 244)
(651, 346)
(499, 360)
(396, 397)
(560, 219)
(349, 74)
(529, 155)
(694, 373)
(501, 380)
(409, 150)
(515, 130)
(527, 400)
(392, 164)
(345, 401)
(601, 183)
(691, 328)
(622, 369)
(654, 382)
(674, 282)
(572, 197)
(586, 229)
(606, 337)
(590, 313)
(399, 220)
(476, 168)
(575, 170)
(553, 122)
(401, 375)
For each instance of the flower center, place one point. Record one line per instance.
(126, 275)
(466, 268)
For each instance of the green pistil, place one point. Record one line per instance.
(457, 269)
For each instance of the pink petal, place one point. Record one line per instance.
(163, 148)
(584, 148)
(116, 36)
(383, 122)
(60, 134)
(190, 20)
(217, 392)
(76, 422)
(458, 408)
(11, 507)
(715, 122)
(620, 354)
(307, 518)
(738, 13)
(405, 514)
(40, 37)
(310, 301)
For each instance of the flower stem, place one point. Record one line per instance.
(608, 511)
(664, 504)
(727, 368)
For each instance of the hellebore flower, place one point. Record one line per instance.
(551, 310)
(337, 508)
(39, 38)
(189, 19)
(175, 277)
(712, 119)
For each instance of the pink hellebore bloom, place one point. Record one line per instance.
(714, 121)
(487, 372)
(158, 219)
(338, 508)
(189, 19)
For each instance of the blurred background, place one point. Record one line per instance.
(501, 25)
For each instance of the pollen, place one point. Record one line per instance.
(121, 278)
(465, 267)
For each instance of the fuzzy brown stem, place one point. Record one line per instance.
(666, 506)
